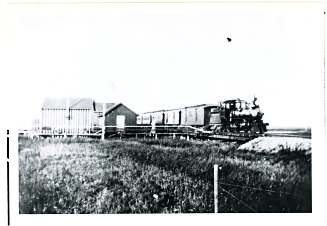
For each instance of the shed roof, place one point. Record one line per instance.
(99, 106)
(113, 107)
(74, 103)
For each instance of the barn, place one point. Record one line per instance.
(118, 116)
(98, 112)
(67, 115)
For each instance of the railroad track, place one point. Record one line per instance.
(246, 137)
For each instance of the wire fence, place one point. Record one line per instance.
(238, 199)
(259, 189)
(225, 191)
(140, 129)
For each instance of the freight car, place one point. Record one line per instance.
(173, 117)
(197, 116)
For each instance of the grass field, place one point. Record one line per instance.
(158, 176)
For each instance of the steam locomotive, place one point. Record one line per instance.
(237, 116)
(232, 116)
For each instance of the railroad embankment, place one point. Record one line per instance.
(275, 144)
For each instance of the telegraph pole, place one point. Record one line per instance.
(103, 118)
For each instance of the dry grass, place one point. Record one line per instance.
(147, 176)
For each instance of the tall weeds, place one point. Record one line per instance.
(150, 176)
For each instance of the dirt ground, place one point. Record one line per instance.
(274, 144)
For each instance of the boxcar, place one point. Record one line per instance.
(139, 120)
(173, 117)
(159, 118)
(146, 119)
(197, 115)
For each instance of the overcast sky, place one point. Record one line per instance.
(153, 56)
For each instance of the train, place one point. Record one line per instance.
(234, 116)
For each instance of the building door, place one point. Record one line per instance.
(100, 121)
(120, 122)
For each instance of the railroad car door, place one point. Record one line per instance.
(195, 116)
(200, 118)
(191, 116)
(175, 120)
(171, 117)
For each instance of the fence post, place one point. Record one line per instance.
(187, 137)
(216, 186)
(66, 117)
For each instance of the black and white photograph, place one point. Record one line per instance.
(165, 108)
